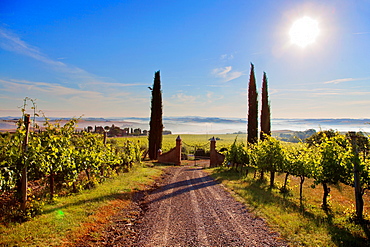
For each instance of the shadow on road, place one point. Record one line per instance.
(196, 183)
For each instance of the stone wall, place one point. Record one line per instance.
(173, 156)
(216, 158)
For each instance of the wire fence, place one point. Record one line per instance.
(196, 151)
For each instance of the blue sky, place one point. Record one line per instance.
(97, 58)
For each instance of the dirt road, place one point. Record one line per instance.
(191, 209)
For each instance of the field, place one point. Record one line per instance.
(190, 141)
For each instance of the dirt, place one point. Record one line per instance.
(188, 208)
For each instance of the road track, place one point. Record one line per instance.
(191, 209)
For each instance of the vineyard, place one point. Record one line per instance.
(57, 158)
(327, 158)
(62, 161)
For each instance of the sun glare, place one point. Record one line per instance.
(304, 31)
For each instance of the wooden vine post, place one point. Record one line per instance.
(357, 184)
(24, 169)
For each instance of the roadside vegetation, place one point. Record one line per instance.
(305, 190)
(303, 223)
(293, 210)
(69, 218)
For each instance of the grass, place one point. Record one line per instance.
(303, 224)
(69, 218)
(201, 140)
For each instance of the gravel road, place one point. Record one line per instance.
(191, 209)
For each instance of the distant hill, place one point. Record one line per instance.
(216, 125)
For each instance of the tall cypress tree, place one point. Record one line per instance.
(252, 130)
(156, 126)
(266, 121)
(265, 111)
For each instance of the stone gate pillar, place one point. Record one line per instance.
(178, 150)
(213, 154)
(216, 159)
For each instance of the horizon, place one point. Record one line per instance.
(98, 59)
(204, 125)
(184, 116)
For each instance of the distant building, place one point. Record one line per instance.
(99, 129)
(115, 131)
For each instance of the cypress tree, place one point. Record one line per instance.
(265, 111)
(156, 125)
(252, 130)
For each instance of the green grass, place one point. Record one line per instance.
(303, 224)
(71, 215)
(202, 140)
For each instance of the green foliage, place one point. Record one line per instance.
(327, 157)
(67, 217)
(62, 155)
(317, 138)
(294, 136)
(269, 155)
(301, 160)
(237, 154)
(334, 156)
(156, 125)
(252, 128)
(301, 222)
(265, 111)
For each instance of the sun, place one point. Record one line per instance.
(304, 31)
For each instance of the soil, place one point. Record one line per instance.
(188, 208)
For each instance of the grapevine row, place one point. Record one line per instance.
(63, 156)
(328, 158)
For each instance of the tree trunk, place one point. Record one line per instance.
(88, 178)
(262, 177)
(359, 206)
(24, 180)
(272, 179)
(74, 187)
(285, 181)
(325, 196)
(51, 177)
(301, 188)
(87, 174)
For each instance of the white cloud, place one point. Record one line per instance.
(222, 72)
(226, 73)
(14, 86)
(56, 98)
(212, 97)
(11, 42)
(113, 84)
(183, 98)
(226, 56)
(344, 80)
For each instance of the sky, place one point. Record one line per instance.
(98, 58)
